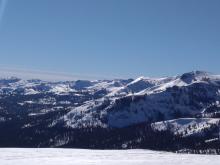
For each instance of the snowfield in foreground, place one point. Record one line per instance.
(98, 157)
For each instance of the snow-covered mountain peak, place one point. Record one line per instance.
(194, 76)
(141, 78)
(8, 80)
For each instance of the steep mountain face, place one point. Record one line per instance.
(112, 113)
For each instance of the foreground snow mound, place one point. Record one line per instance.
(98, 157)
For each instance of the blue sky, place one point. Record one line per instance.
(110, 38)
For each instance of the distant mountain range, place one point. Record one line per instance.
(171, 113)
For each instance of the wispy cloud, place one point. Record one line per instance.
(3, 4)
(45, 75)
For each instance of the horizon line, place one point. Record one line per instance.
(22, 73)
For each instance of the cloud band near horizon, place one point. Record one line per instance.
(6, 72)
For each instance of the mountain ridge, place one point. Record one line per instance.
(36, 107)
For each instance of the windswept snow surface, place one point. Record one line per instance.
(98, 157)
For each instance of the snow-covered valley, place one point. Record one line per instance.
(14, 156)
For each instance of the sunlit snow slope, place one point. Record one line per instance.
(98, 157)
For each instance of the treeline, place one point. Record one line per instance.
(41, 134)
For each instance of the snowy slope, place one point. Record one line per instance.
(100, 157)
(151, 100)
(187, 104)
(186, 126)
